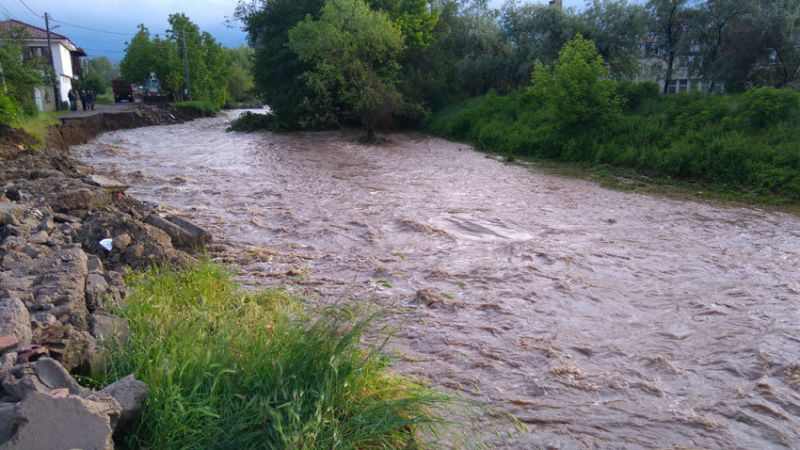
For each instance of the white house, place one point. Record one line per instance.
(66, 60)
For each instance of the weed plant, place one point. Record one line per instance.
(235, 370)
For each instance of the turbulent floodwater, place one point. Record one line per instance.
(601, 319)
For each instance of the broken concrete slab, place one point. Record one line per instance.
(131, 395)
(55, 376)
(96, 291)
(71, 422)
(9, 420)
(198, 233)
(108, 328)
(106, 183)
(180, 237)
(15, 320)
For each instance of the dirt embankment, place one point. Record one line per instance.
(80, 130)
(66, 237)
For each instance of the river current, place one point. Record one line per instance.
(600, 319)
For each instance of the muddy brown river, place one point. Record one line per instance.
(600, 319)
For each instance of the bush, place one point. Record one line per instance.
(9, 109)
(768, 105)
(747, 141)
(249, 122)
(229, 369)
(634, 95)
(576, 91)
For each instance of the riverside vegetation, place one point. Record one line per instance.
(230, 369)
(463, 70)
(572, 112)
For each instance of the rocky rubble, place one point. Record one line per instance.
(58, 287)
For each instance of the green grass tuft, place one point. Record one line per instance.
(205, 108)
(234, 370)
(38, 124)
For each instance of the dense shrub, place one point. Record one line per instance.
(249, 122)
(9, 109)
(750, 140)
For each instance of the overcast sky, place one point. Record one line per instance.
(113, 22)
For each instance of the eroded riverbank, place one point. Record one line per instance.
(600, 318)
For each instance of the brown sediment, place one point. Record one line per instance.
(604, 319)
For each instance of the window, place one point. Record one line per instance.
(677, 86)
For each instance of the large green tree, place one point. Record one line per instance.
(353, 53)
(208, 64)
(669, 26)
(277, 69)
(240, 82)
(19, 74)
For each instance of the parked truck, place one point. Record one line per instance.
(122, 90)
(151, 90)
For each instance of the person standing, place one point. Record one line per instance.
(72, 99)
(90, 95)
(83, 98)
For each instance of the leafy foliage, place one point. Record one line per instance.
(747, 141)
(207, 60)
(353, 53)
(576, 91)
(229, 369)
(19, 76)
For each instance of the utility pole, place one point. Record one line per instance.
(186, 65)
(52, 62)
(2, 75)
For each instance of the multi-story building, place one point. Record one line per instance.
(66, 60)
(685, 76)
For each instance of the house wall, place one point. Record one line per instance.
(62, 59)
(655, 69)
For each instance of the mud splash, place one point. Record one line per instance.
(601, 319)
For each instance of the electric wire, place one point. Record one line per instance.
(91, 29)
(30, 9)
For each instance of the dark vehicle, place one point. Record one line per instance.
(151, 90)
(122, 90)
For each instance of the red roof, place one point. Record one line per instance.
(29, 30)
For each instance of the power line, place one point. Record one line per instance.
(31, 10)
(8, 13)
(102, 51)
(92, 29)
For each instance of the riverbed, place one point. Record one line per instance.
(600, 319)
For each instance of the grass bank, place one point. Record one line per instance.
(231, 369)
(742, 147)
(36, 125)
(201, 108)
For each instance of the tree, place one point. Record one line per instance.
(277, 69)
(208, 64)
(99, 74)
(669, 25)
(575, 90)
(537, 33)
(781, 22)
(721, 29)
(617, 29)
(19, 74)
(240, 83)
(353, 52)
(140, 56)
